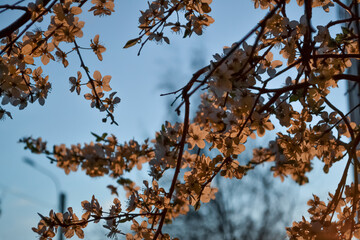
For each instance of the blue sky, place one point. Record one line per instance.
(139, 81)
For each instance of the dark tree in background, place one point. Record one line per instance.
(255, 208)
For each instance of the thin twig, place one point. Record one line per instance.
(99, 103)
(13, 7)
(161, 23)
(18, 2)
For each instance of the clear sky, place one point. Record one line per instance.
(139, 81)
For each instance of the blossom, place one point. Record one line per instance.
(75, 82)
(101, 83)
(196, 136)
(97, 48)
(60, 55)
(139, 228)
(94, 99)
(45, 51)
(111, 101)
(261, 124)
(67, 33)
(102, 7)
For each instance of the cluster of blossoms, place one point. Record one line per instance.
(156, 18)
(242, 100)
(21, 83)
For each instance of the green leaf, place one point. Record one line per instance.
(95, 135)
(104, 135)
(98, 138)
(332, 43)
(339, 37)
(125, 220)
(294, 98)
(123, 181)
(131, 42)
(345, 30)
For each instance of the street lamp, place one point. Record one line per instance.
(61, 195)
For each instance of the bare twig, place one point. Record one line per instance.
(99, 103)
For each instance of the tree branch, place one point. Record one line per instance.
(7, 31)
(181, 151)
(14, 7)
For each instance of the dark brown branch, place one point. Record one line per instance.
(335, 56)
(14, 7)
(18, 2)
(181, 151)
(193, 79)
(15, 25)
(337, 123)
(281, 90)
(349, 77)
(335, 200)
(28, 26)
(97, 218)
(332, 23)
(332, 106)
(348, 9)
(7, 31)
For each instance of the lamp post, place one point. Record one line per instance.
(61, 195)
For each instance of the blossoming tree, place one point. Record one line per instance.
(238, 102)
